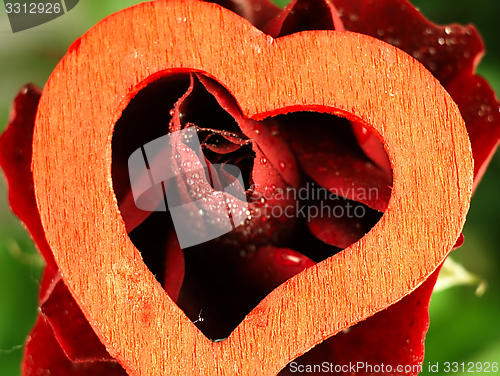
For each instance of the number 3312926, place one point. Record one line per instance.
(470, 367)
(33, 8)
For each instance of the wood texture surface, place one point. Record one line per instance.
(335, 72)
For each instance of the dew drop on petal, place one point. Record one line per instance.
(288, 258)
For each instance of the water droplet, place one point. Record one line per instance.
(490, 118)
(257, 7)
(441, 41)
(428, 31)
(282, 165)
(251, 248)
(263, 160)
(380, 32)
(190, 182)
(432, 50)
(172, 112)
(447, 30)
(288, 258)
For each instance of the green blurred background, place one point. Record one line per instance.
(464, 327)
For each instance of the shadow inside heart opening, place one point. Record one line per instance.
(306, 185)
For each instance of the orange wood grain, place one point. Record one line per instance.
(340, 73)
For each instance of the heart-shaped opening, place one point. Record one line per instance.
(313, 184)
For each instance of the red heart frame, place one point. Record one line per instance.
(341, 73)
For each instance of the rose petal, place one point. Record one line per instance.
(391, 337)
(264, 134)
(372, 147)
(146, 118)
(71, 329)
(302, 15)
(224, 287)
(258, 12)
(44, 356)
(459, 242)
(328, 152)
(446, 51)
(341, 223)
(15, 159)
(481, 112)
(268, 267)
(177, 113)
(174, 267)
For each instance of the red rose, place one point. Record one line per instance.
(218, 282)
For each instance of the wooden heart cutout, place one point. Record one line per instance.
(341, 73)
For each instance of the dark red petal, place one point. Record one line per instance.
(391, 337)
(145, 119)
(258, 12)
(328, 153)
(174, 267)
(47, 283)
(15, 159)
(176, 122)
(226, 286)
(71, 329)
(459, 242)
(480, 110)
(339, 223)
(269, 267)
(302, 15)
(44, 356)
(445, 51)
(372, 147)
(265, 135)
(221, 145)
